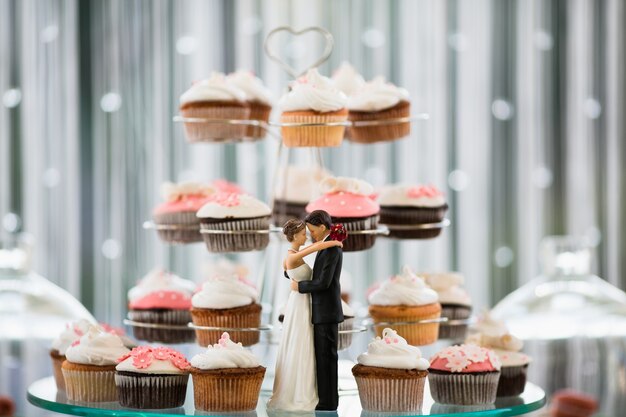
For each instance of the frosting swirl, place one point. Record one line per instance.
(489, 326)
(175, 192)
(403, 289)
(149, 360)
(221, 292)
(392, 351)
(225, 354)
(216, 88)
(465, 359)
(347, 79)
(299, 184)
(411, 196)
(73, 332)
(313, 92)
(161, 289)
(96, 347)
(506, 346)
(377, 95)
(233, 206)
(252, 86)
(448, 287)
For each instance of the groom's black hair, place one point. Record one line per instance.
(318, 218)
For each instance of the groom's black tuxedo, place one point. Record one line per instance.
(326, 314)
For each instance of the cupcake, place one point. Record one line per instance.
(403, 209)
(226, 377)
(391, 375)
(464, 375)
(72, 333)
(495, 336)
(152, 378)
(347, 80)
(313, 99)
(405, 298)
(161, 298)
(214, 98)
(349, 202)
(378, 102)
(177, 215)
(258, 97)
(345, 339)
(89, 370)
(244, 215)
(296, 187)
(228, 302)
(224, 186)
(456, 303)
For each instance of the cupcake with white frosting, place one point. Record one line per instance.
(228, 301)
(214, 98)
(234, 223)
(258, 97)
(379, 102)
(391, 374)
(152, 378)
(347, 79)
(73, 332)
(313, 99)
(295, 188)
(406, 298)
(404, 209)
(226, 377)
(89, 370)
(161, 298)
(456, 303)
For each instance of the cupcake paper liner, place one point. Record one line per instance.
(215, 132)
(464, 388)
(312, 136)
(249, 317)
(57, 362)
(90, 386)
(345, 339)
(357, 242)
(162, 316)
(398, 391)
(409, 216)
(151, 391)
(258, 111)
(454, 331)
(182, 219)
(221, 243)
(415, 334)
(383, 132)
(284, 211)
(512, 380)
(236, 390)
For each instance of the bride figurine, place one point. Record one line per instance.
(295, 384)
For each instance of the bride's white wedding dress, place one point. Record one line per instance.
(295, 387)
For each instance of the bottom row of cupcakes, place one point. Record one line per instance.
(390, 376)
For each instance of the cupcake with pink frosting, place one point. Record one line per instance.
(175, 218)
(407, 209)
(349, 201)
(161, 298)
(464, 375)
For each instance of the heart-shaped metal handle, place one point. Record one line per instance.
(288, 68)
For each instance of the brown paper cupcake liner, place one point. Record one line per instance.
(57, 362)
(383, 132)
(412, 215)
(358, 242)
(227, 390)
(147, 391)
(162, 316)
(312, 136)
(241, 317)
(395, 392)
(183, 219)
(90, 386)
(416, 334)
(454, 331)
(463, 388)
(221, 243)
(284, 211)
(215, 132)
(512, 380)
(345, 339)
(261, 112)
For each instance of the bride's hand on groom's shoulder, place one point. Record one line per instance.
(294, 285)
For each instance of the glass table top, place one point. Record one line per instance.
(43, 394)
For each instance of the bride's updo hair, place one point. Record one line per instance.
(291, 227)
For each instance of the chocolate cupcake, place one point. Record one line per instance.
(349, 202)
(391, 375)
(228, 302)
(152, 378)
(161, 298)
(235, 223)
(295, 188)
(258, 97)
(407, 210)
(456, 303)
(226, 377)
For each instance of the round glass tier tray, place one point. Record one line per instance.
(43, 394)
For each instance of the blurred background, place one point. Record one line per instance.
(525, 134)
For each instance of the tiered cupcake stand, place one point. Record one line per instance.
(44, 394)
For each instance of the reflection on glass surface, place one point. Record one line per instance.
(573, 324)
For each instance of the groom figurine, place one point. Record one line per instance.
(326, 310)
